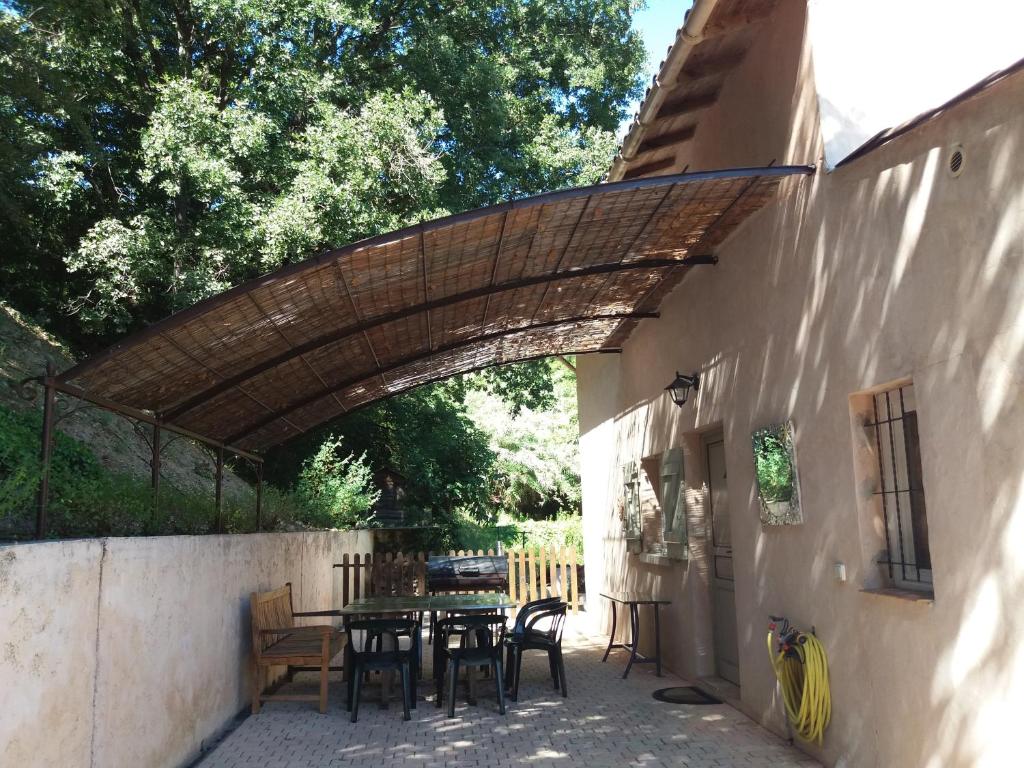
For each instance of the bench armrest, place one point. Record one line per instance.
(333, 612)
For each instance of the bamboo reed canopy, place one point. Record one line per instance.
(568, 272)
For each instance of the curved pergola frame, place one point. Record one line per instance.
(569, 272)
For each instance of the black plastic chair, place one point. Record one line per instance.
(359, 662)
(524, 613)
(542, 631)
(518, 630)
(486, 653)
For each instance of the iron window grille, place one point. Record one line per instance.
(901, 488)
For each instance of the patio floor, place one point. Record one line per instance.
(606, 721)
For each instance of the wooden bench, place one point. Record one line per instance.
(278, 642)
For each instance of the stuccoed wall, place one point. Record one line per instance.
(883, 269)
(134, 651)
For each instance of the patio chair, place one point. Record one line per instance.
(278, 642)
(524, 613)
(542, 631)
(486, 653)
(518, 630)
(359, 662)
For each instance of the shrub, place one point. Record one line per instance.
(86, 499)
(337, 490)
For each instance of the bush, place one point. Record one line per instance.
(337, 490)
(566, 530)
(86, 499)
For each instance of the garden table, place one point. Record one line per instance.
(387, 604)
(634, 600)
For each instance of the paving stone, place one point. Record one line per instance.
(606, 721)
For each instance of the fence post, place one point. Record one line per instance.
(355, 578)
(512, 577)
(524, 586)
(344, 580)
(557, 555)
(543, 576)
(575, 583)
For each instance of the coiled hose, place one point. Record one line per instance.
(801, 667)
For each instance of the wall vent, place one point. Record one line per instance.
(956, 161)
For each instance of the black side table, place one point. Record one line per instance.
(634, 600)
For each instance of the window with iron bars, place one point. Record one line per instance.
(901, 488)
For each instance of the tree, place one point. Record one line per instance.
(535, 472)
(426, 434)
(158, 151)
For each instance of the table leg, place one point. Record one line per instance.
(634, 626)
(611, 638)
(657, 641)
(471, 671)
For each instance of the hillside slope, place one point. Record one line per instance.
(25, 349)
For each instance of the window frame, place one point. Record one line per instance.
(894, 433)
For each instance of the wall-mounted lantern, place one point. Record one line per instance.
(680, 387)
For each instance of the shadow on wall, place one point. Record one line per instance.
(886, 268)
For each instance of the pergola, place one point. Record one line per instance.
(562, 273)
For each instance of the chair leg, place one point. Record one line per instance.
(553, 667)
(561, 673)
(406, 685)
(439, 669)
(324, 669)
(517, 669)
(357, 684)
(453, 677)
(257, 687)
(499, 682)
(413, 681)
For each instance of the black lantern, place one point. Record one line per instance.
(679, 389)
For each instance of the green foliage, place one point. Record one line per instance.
(468, 533)
(774, 466)
(519, 385)
(337, 489)
(535, 473)
(158, 151)
(425, 435)
(566, 530)
(87, 499)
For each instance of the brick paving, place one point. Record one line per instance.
(606, 721)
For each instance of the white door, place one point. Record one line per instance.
(723, 595)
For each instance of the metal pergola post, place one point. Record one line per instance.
(52, 386)
(155, 469)
(220, 489)
(46, 450)
(259, 498)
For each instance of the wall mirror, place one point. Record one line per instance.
(778, 487)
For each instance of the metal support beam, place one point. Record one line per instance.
(145, 418)
(474, 369)
(46, 450)
(259, 497)
(362, 326)
(220, 490)
(154, 467)
(379, 370)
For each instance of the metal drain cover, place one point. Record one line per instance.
(685, 694)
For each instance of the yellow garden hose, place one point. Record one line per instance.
(801, 667)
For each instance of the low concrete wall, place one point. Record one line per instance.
(134, 651)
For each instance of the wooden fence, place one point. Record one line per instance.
(532, 574)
